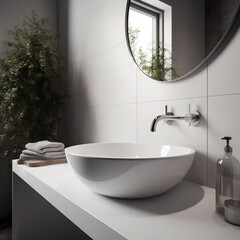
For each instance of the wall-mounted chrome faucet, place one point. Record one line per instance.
(192, 118)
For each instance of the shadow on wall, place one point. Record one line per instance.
(196, 171)
(76, 121)
(62, 29)
(63, 51)
(85, 119)
(194, 174)
(212, 170)
(181, 197)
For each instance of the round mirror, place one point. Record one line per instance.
(171, 39)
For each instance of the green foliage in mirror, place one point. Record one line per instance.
(155, 62)
(30, 89)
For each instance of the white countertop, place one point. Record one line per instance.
(187, 212)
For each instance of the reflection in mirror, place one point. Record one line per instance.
(170, 38)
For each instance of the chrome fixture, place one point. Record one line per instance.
(192, 118)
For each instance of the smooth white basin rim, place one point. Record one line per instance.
(129, 170)
(128, 151)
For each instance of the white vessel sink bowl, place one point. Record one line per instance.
(129, 170)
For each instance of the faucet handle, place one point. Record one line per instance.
(193, 118)
(166, 113)
(189, 113)
(188, 117)
(165, 110)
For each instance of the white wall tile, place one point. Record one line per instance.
(89, 80)
(107, 124)
(85, 125)
(152, 90)
(223, 120)
(106, 84)
(179, 133)
(119, 77)
(79, 9)
(113, 23)
(84, 39)
(224, 71)
(68, 126)
(70, 85)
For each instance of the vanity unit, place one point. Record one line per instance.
(51, 203)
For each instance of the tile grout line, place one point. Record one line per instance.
(207, 129)
(172, 99)
(86, 15)
(76, 108)
(136, 79)
(73, 64)
(224, 94)
(154, 101)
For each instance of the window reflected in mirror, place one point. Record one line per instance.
(170, 39)
(149, 42)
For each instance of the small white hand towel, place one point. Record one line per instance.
(47, 154)
(31, 155)
(45, 146)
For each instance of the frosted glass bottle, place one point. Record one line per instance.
(227, 178)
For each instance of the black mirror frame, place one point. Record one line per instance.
(222, 43)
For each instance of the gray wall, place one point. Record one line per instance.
(11, 13)
(188, 33)
(112, 100)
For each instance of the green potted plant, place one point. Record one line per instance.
(30, 86)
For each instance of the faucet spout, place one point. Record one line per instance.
(154, 123)
(167, 118)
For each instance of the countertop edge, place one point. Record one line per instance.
(61, 203)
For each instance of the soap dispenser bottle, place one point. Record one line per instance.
(224, 177)
(227, 172)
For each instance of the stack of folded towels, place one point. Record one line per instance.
(43, 150)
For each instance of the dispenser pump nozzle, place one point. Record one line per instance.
(228, 148)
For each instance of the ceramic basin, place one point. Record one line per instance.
(129, 170)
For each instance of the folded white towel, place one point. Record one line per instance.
(45, 146)
(31, 155)
(47, 154)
